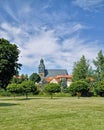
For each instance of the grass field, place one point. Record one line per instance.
(61, 113)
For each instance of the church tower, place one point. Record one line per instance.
(41, 68)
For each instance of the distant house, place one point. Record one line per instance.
(53, 75)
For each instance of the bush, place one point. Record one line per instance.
(99, 88)
(79, 88)
(52, 88)
(12, 88)
(27, 87)
(4, 93)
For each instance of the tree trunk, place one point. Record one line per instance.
(26, 95)
(51, 95)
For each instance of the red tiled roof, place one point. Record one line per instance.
(48, 79)
(58, 77)
(18, 77)
(64, 76)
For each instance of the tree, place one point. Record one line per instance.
(27, 87)
(9, 65)
(19, 79)
(13, 88)
(99, 88)
(99, 64)
(79, 87)
(35, 77)
(52, 88)
(81, 69)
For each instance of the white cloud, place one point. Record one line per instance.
(51, 36)
(89, 4)
(13, 33)
(68, 28)
(43, 45)
(75, 48)
(46, 44)
(9, 28)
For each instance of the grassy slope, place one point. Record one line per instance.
(52, 114)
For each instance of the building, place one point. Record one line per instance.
(53, 75)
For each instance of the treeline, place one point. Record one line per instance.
(85, 82)
(22, 85)
(88, 81)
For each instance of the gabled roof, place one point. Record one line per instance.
(58, 78)
(55, 72)
(64, 76)
(48, 79)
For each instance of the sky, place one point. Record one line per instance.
(58, 31)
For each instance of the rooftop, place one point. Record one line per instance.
(55, 72)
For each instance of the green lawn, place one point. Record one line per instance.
(61, 113)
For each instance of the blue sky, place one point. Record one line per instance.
(59, 31)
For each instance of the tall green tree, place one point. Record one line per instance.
(81, 69)
(99, 64)
(35, 77)
(9, 65)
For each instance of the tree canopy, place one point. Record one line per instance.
(9, 54)
(77, 87)
(52, 88)
(19, 79)
(27, 87)
(99, 64)
(99, 88)
(81, 69)
(13, 88)
(35, 77)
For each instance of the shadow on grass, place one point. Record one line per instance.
(19, 98)
(7, 104)
(27, 99)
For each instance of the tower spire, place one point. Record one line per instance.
(41, 68)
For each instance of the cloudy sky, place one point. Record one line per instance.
(59, 31)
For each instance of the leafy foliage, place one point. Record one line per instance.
(19, 79)
(24, 88)
(99, 88)
(35, 77)
(79, 87)
(81, 69)
(13, 88)
(9, 54)
(52, 88)
(99, 63)
(27, 87)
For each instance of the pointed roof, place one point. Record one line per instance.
(41, 60)
(41, 63)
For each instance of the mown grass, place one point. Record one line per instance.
(61, 113)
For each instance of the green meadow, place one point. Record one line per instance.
(59, 113)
